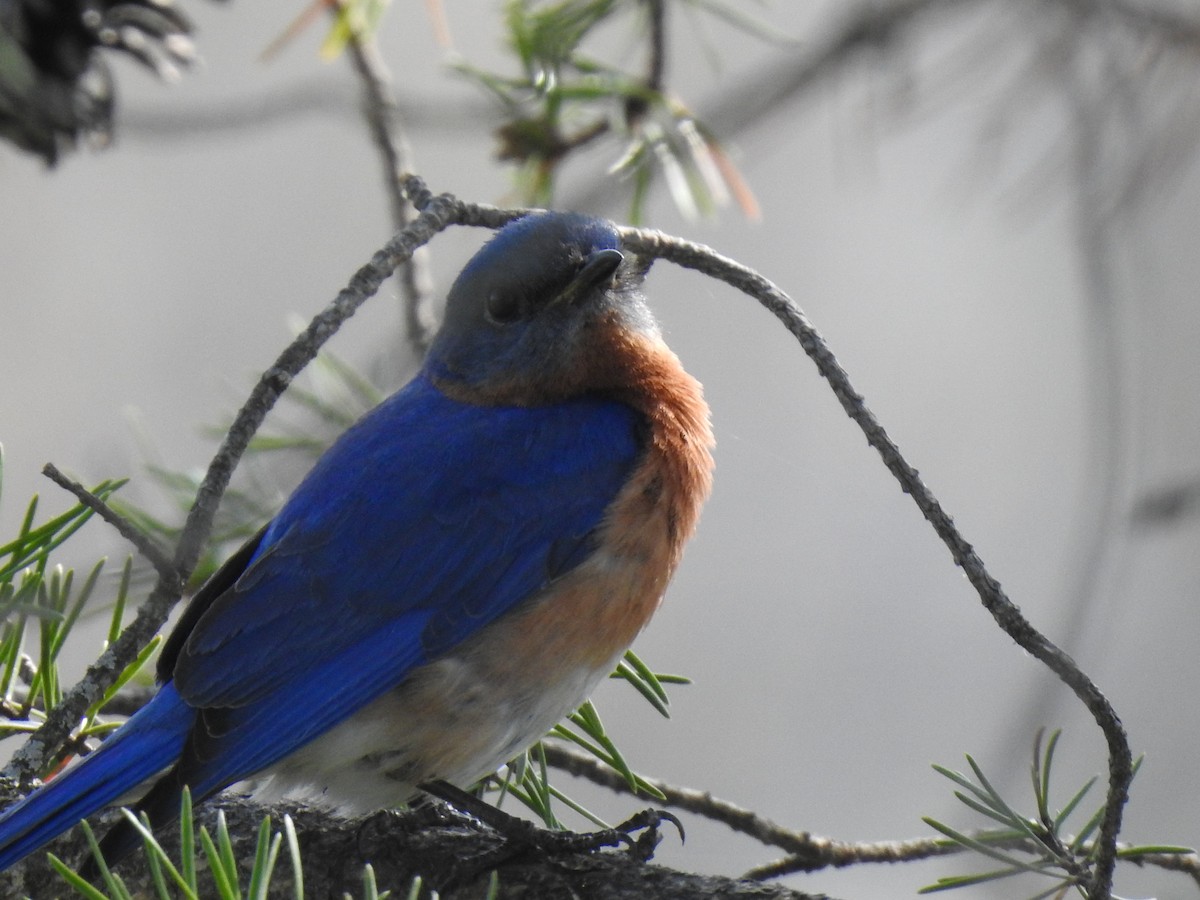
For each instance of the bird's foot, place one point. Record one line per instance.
(641, 846)
(521, 835)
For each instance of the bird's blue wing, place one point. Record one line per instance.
(426, 520)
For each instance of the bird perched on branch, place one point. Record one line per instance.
(455, 574)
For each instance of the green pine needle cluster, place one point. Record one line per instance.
(1034, 845)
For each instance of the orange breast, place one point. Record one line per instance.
(593, 614)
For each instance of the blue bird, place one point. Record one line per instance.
(455, 574)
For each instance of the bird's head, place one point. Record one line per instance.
(538, 313)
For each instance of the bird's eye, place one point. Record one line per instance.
(502, 308)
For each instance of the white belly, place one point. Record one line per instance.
(449, 722)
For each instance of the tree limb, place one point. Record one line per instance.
(145, 546)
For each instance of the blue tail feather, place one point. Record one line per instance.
(148, 743)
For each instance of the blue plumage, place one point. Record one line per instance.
(148, 743)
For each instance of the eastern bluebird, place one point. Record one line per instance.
(454, 575)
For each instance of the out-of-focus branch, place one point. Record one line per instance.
(870, 28)
(807, 852)
(876, 27)
(383, 118)
(286, 103)
(1149, 20)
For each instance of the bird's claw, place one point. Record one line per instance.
(648, 821)
(641, 847)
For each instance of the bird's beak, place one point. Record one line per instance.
(598, 269)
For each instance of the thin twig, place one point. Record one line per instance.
(928, 848)
(1187, 863)
(382, 113)
(1156, 21)
(807, 852)
(144, 545)
(1006, 614)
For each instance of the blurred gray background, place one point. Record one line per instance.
(991, 217)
